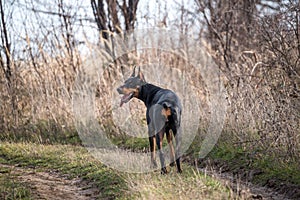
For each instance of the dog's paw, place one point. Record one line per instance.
(163, 171)
(172, 164)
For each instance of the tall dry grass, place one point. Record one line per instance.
(263, 99)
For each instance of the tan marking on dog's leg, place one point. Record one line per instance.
(171, 147)
(152, 151)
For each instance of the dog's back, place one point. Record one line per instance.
(152, 95)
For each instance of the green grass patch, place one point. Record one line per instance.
(271, 167)
(238, 158)
(71, 160)
(274, 169)
(10, 188)
(135, 144)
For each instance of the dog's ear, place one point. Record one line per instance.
(122, 70)
(133, 73)
(141, 75)
(139, 70)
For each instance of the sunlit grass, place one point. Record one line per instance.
(75, 161)
(189, 185)
(71, 160)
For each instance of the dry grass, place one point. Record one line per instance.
(262, 111)
(76, 162)
(189, 185)
(263, 100)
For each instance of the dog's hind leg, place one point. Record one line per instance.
(152, 150)
(177, 134)
(152, 142)
(171, 147)
(159, 142)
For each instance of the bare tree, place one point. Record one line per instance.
(256, 45)
(5, 51)
(109, 19)
(230, 25)
(109, 16)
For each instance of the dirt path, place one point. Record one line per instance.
(242, 189)
(52, 185)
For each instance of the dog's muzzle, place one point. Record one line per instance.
(126, 97)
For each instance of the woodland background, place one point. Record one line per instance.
(255, 43)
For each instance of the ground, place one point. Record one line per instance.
(52, 185)
(31, 171)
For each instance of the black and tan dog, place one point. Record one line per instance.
(163, 114)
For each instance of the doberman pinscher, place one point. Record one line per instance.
(163, 114)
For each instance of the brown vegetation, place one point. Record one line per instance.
(258, 53)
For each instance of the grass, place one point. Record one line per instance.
(71, 160)
(75, 161)
(270, 167)
(10, 189)
(43, 131)
(189, 185)
(288, 172)
(135, 144)
(252, 164)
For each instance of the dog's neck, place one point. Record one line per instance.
(147, 92)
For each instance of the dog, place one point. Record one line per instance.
(163, 114)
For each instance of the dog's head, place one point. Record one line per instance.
(131, 86)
